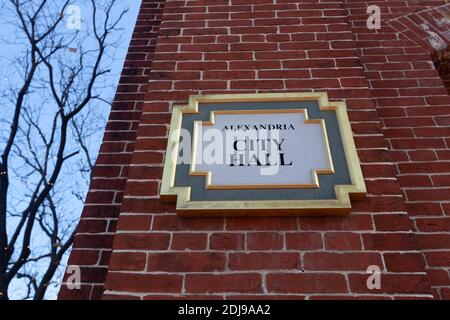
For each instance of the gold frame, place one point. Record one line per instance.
(314, 173)
(344, 193)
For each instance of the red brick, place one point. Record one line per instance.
(434, 224)
(438, 258)
(150, 144)
(84, 293)
(238, 282)
(435, 167)
(134, 222)
(380, 204)
(92, 241)
(226, 75)
(175, 223)
(340, 261)
(147, 172)
(441, 180)
(351, 222)
(129, 282)
(118, 297)
(424, 208)
(264, 241)
(383, 186)
(283, 74)
(353, 297)
(100, 197)
(148, 157)
(342, 241)
(438, 277)
(266, 297)
(304, 241)
(186, 262)
(391, 283)
(262, 223)
(260, 84)
(83, 257)
(189, 241)
(92, 274)
(92, 226)
(392, 222)
(378, 171)
(389, 241)
(127, 261)
(227, 241)
(306, 283)
(404, 262)
(142, 188)
(432, 240)
(445, 293)
(182, 297)
(263, 261)
(142, 241)
(145, 206)
(417, 143)
(435, 194)
(422, 155)
(399, 112)
(111, 184)
(415, 181)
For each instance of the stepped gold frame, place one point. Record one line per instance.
(344, 193)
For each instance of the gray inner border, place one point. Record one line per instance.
(326, 182)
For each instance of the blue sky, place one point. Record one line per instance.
(11, 46)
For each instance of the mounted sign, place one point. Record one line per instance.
(261, 154)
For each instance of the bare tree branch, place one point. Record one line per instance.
(47, 136)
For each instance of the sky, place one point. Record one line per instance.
(11, 46)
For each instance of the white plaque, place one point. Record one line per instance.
(261, 149)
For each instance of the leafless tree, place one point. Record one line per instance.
(47, 118)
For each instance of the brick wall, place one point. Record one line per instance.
(95, 233)
(398, 108)
(414, 109)
(441, 61)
